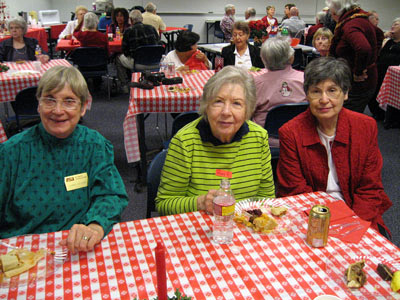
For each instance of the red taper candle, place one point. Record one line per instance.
(161, 271)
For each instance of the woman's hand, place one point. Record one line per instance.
(44, 58)
(83, 238)
(68, 37)
(202, 57)
(361, 77)
(205, 202)
(183, 68)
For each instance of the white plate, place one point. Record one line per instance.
(374, 288)
(285, 223)
(17, 73)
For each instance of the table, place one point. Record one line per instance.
(253, 267)
(38, 33)
(210, 23)
(389, 94)
(170, 33)
(155, 101)
(66, 46)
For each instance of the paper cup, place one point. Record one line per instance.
(37, 65)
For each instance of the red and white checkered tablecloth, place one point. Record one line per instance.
(160, 100)
(3, 136)
(389, 94)
(253, 267)
(11, 85)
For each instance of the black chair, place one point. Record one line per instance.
(179, 121)
(298, 62)
(147, 58)
(153, 180)
(218, 31)
(25, 109)
(276, 117)
(92, 62)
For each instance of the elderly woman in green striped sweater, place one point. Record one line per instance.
(222, 142)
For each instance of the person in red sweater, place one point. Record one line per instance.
(89, 36)
(357, 41)
(319, 23)
(332, 149)
(271, 21)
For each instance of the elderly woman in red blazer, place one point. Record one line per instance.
(330, 148)
(357, 41)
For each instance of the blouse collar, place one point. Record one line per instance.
(48, 138)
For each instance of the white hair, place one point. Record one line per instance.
(229, 7)
(339, 6)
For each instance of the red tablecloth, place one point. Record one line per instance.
(253, 267)
(65, 45)
(389, 94)
(3, 136)
(160, 100)
(37, 33)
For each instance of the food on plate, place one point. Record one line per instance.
(395, 284)
(178, 89)
(19, 61)
(278, 211)
(259, 221)
(254, 69)
(18, 261)
(355, 275)
(4, 68)
(384, 271)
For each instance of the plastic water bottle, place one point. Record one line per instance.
(38, 51)
(163, 65)
(117, 33)
(224, 208)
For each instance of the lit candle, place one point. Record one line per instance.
(161, 271)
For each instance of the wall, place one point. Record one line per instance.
(175, 12)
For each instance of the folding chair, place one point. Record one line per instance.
(147, 58)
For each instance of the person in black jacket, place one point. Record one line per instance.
(19, 47)
(241, 53)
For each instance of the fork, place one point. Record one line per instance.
(337, 227)
(58, 255)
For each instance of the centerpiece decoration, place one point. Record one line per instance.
(258, 32)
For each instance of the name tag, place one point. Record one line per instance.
(75, 182)
(223, 173)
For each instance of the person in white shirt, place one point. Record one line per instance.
(150, 18)
(294, 24)
(250, 14)
(68, 31)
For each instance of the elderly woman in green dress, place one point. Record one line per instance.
(222, 142)
(59, 175)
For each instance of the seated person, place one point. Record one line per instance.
(281, 84)
(120, 19)
(332, 149)
(68, 31)
(89, 36)
(137, 35)
(319, 23)
(37, 194)
(322, 41)
(19, 47)
(294, 24)
(241, 53)
(222, 139)
(186, 56)
(106, 20)
(227, 21)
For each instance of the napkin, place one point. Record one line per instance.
(338, 210)
(354, 236)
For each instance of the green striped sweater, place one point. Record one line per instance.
(190, 166)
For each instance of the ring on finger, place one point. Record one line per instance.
(85, 238)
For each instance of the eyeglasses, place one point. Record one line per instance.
(67, 104)
(316, 94)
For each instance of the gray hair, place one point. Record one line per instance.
(57, 77)
(276, 53)
(20, 22)
(328, 68)
(90, 21)
(251, 11)
(135, 16)
(150, 7)
(340, 6)
(321, 16)
(229, 7)
(397, 20)
(229, 75)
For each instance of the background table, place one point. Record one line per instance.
(170, 33)
(253, 267)
(3, 136)
(389, 94)
(38, 33)
(159, 100)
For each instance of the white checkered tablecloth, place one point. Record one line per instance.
(160, 100)
(10, 85)
(3, 136)
(389, 94)
(253, 267)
